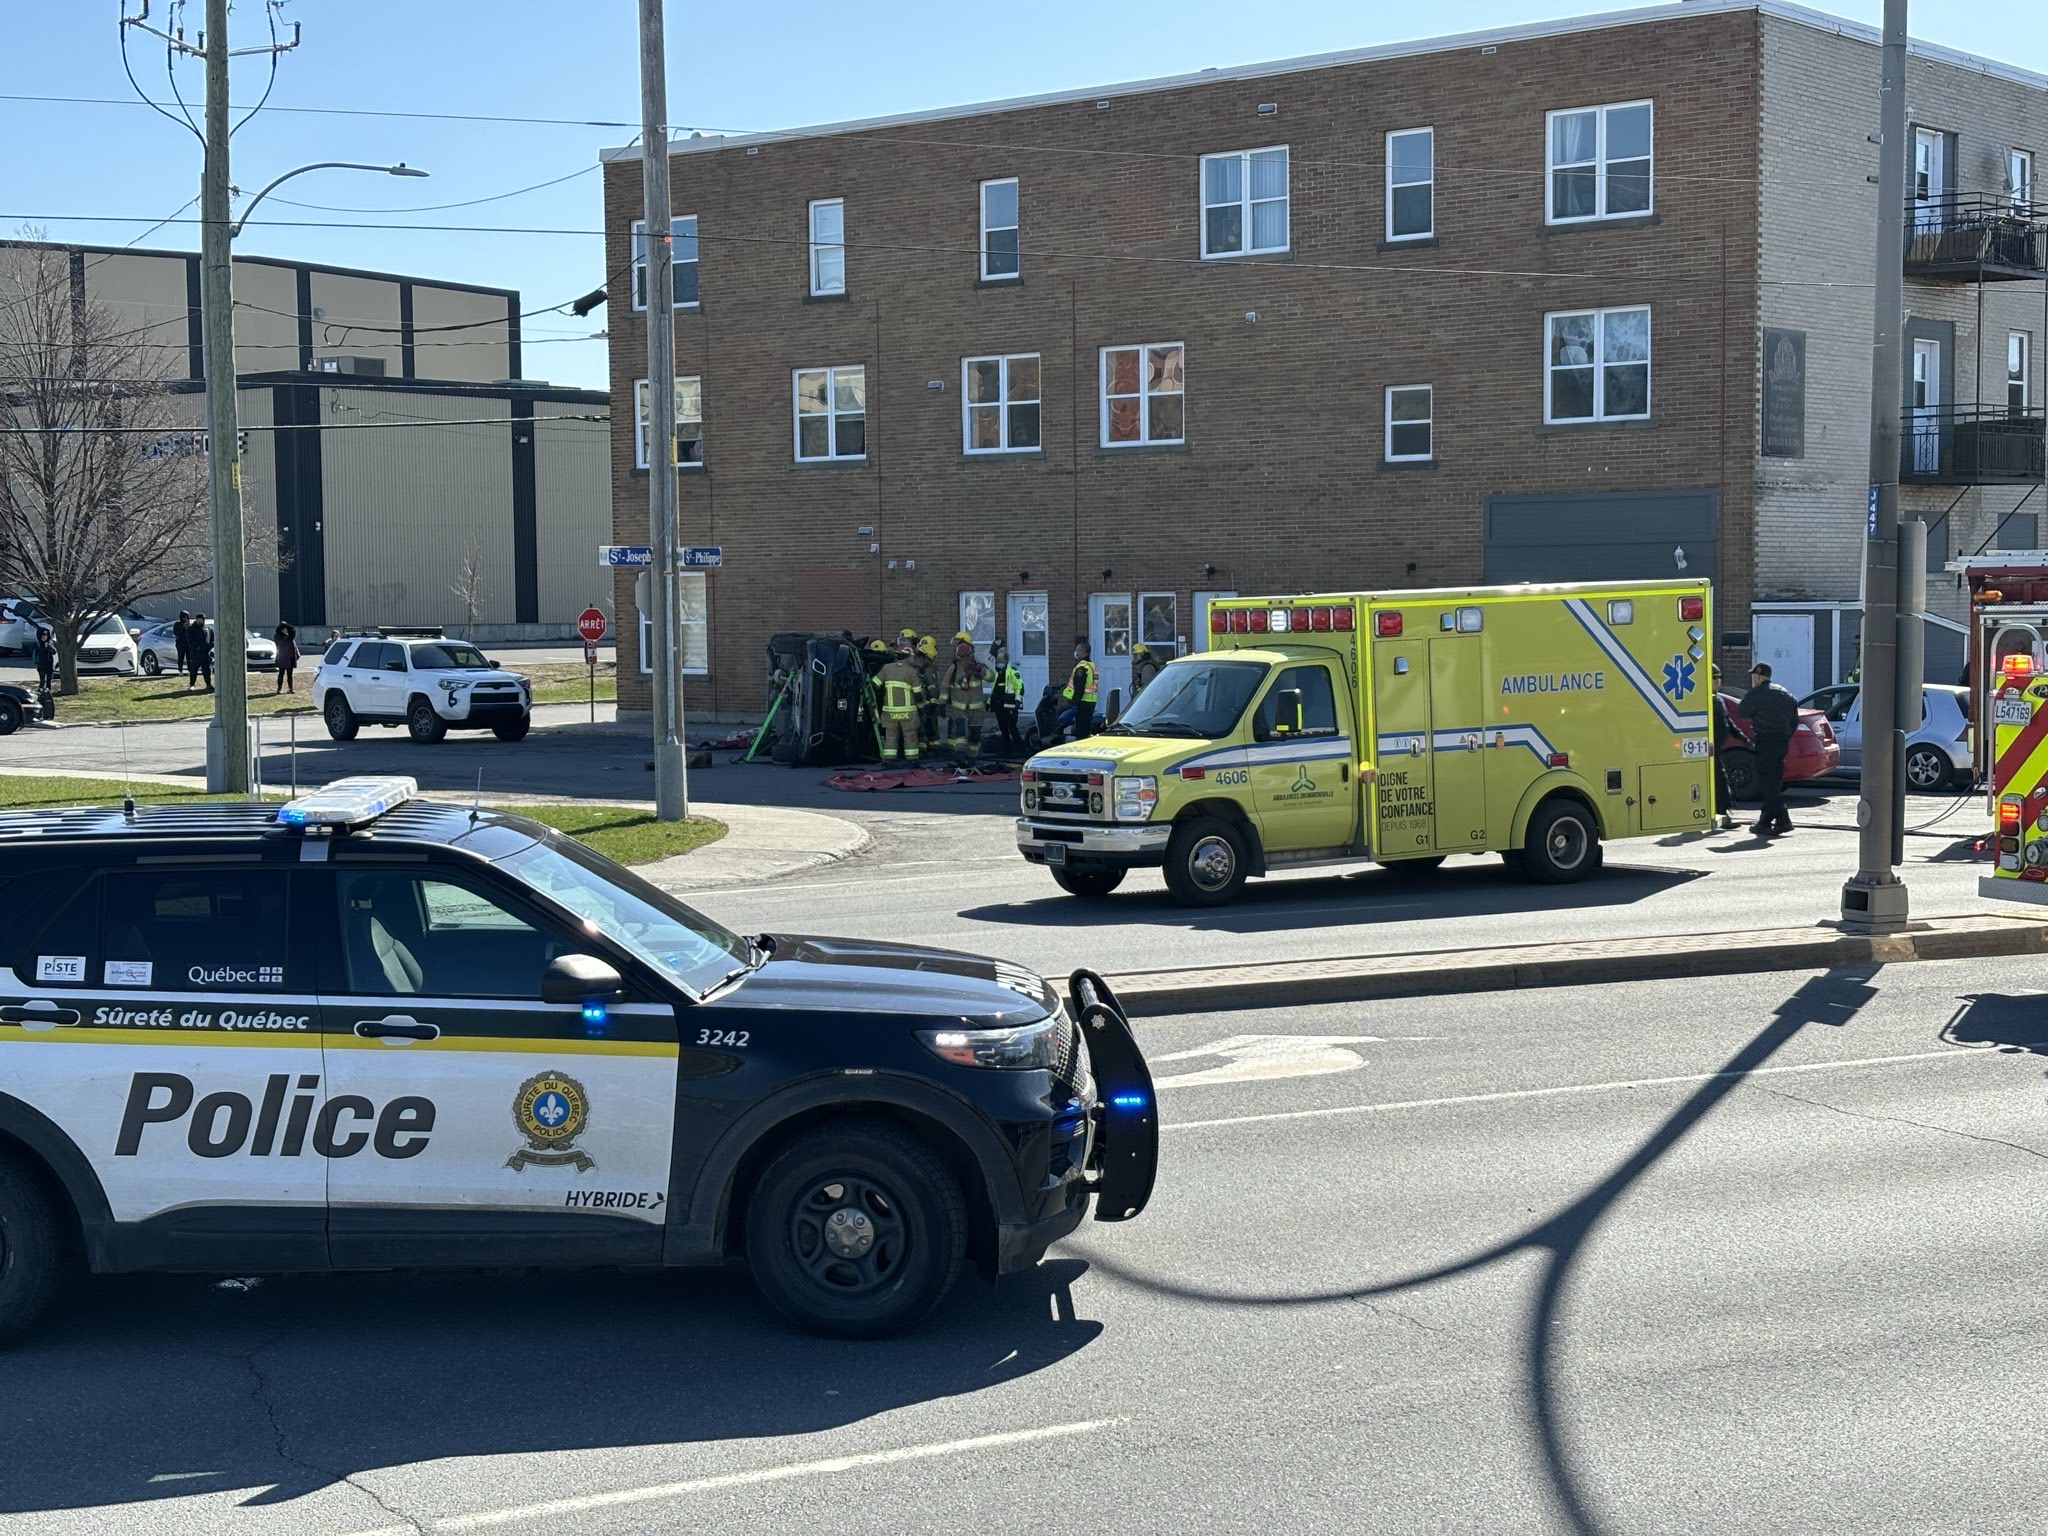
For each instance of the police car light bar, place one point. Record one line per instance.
(348, 802)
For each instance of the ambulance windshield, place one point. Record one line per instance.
(1198, 700)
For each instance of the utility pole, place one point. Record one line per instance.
(671, 781)
(1874, 900)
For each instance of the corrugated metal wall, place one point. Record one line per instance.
(405, 504)
(572, 483)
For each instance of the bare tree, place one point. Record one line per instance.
(103, 499)
(468, 587)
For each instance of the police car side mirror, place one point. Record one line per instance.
(579, 979)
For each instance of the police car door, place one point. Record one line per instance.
(162, 1018)
(484, 1126)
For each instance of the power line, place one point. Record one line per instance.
(495, 197)
(436, 117)
(306, 426)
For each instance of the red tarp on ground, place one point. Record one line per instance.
(916, 778)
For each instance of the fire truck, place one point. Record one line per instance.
(2008, 617)
(2018, 735)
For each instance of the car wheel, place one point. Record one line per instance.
(341, 720)
(855, 1231)
(1928, 770)
(151, 664)
(515, 730)
(422, 724)
(1563, 844)
(1740, 767)
(1206, 862)
(32, 1256)
(1088, 882)
(10, 717)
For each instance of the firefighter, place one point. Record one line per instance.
(906, 642)
(966, 690)
(926, 659)
(1005, 693)
(1143, 669)
(1079, 715)
(902, 691)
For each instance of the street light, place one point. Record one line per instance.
(227, 734)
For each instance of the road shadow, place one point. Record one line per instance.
(1999, 1021)
(308, 1380)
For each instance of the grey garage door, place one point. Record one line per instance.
(1611, 536)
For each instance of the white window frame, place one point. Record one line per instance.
(1002, 403)
(1391, 184)
(1598, 162)
(685, 627)
(1172, 640)
(988, 229)
(1245, 202)
(1145, 393)
(817, 246)
(2026, 374)
(2019, 171)
(1599, 365)
(640, 423)
(832, 414)
(638, 282)
(1387, 423)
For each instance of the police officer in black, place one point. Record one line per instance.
(1773, 714)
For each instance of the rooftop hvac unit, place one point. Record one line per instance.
(348, 362)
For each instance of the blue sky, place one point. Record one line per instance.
(731, 67)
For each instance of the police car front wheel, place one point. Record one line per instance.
(32, 1257)
(855, 1231)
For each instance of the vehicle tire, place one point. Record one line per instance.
(32, 1248)
(855, 1231)
(10, 717)
(1928, 770)
(1427, 864)
(151, 665)
(1563, 844)
(341, 720)
(1739, 764)
(1206, 862)
(515, 730)
(421, 723)
(1088, 882)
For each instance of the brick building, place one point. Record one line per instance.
(1484, 308)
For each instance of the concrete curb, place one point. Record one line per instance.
(1436, 973)
(761, 843)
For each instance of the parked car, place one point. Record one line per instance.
(107, 648)
(1814, 751)
(1937, 753)
(18, 618)
(17, 706)
(159, 649)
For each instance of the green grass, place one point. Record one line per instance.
(616, 831)
(101, 699)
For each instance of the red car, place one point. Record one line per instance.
(1814, 751)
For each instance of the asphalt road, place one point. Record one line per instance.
(1753, 1254)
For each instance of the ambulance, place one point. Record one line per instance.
(1536, 722)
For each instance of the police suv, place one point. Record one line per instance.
(418, 679)
(368, 1031)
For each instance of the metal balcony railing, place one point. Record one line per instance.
(1977, 239)
(1973, 445)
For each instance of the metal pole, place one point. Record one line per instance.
(227, 736)
(1874, 899)
(1908, 697)
(671, 784)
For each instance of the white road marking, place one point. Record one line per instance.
(554, 1508)
(1264, 1058)
(1549, 1093)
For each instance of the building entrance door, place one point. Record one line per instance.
(1109, 641)
(1025, 633)
(1926, 392)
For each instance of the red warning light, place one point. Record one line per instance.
(1386, 625)
(1692, 609)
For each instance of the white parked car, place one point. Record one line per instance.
(18, 616)
(426, 683)
(159, 650)
(108, 648)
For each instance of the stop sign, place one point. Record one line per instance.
(590, 625)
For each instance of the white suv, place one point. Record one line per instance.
(428, 684)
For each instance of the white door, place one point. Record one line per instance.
(1198, 637)
(1785, 640)
(1926, 396)
(1109, 640)
(1930, 178)
(1026, 635)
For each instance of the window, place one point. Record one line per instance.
(1411, 183)
(409, 935)
(828, 246)
(831, 414)
(65, 950)
(999, 402)
(978, 618)
(1244, 202)
(217, 931)
(689, 423)
(1599, 365)
(1318, 703)
(1408, 422)
(683, 261)
(1143, 393)
(2019, 177)
(1001, 259)
(693, 626)
(1158, 624)
(2018, 360)
(1599, 162)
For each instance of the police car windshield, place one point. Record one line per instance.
(683, 945)
(446, 656)
(1202, 699)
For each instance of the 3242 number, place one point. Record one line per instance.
(736, 1038)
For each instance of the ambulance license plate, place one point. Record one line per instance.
(1055, 854)
(2015, 711)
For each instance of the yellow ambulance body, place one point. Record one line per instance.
(1536, 722)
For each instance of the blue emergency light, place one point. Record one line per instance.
(1129, 1100)
(348, 802)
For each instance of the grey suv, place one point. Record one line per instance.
(1938, 750)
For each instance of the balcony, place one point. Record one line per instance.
(1976, 239)
(1973, 445)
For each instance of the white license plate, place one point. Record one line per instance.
(1055, 853)
(2015, 711)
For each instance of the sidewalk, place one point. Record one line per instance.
(761, 843)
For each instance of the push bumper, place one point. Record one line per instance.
(1092, 845)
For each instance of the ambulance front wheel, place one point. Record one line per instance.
(1206, 862)
(32, 1247)
(1563, 844)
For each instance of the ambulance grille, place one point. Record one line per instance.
(1066, 794)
